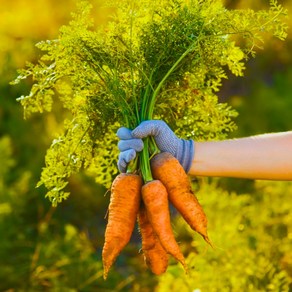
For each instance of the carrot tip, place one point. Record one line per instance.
(186, 269)
(183, 263)
(105, 273)
(207, 239)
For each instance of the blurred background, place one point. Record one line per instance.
(59, 249)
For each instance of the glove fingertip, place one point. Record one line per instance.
(124, 158)
(124, 133)
(122, 166)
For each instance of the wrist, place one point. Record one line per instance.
(186, 153)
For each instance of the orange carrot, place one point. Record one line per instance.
(155, 198)
(123, 209)
(168, 170)
(155, 255)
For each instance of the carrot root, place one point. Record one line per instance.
(168, 170)
(123, 209)
(155, 255)
(155, 198)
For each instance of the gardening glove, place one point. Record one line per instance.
(166, 141)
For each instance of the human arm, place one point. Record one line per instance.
(267, 156)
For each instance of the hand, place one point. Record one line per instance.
(131, 143)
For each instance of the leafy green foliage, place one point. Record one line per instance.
(197, 113)
(38, 254)
(152, 59)
(67, 155)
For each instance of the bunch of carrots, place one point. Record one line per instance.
(149, 48)
(148, 203)
(151, 57)
(154, 179)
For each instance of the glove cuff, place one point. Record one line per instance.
(185, 154)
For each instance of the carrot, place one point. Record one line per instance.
(155, 255)
(123, 209)
(168, 170)
(155, 198)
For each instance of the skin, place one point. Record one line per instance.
(267, 156)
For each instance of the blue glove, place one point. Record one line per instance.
(131, 142)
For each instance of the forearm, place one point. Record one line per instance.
(259, 157)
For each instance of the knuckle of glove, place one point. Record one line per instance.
(136, 144)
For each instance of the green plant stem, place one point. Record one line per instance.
(133, 166)
(145, 162)
(161, 83)
(144, 155)
(147, 114)
(145, 101)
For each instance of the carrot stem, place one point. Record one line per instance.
(145, 162)
(133, 166)
(159, 86)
